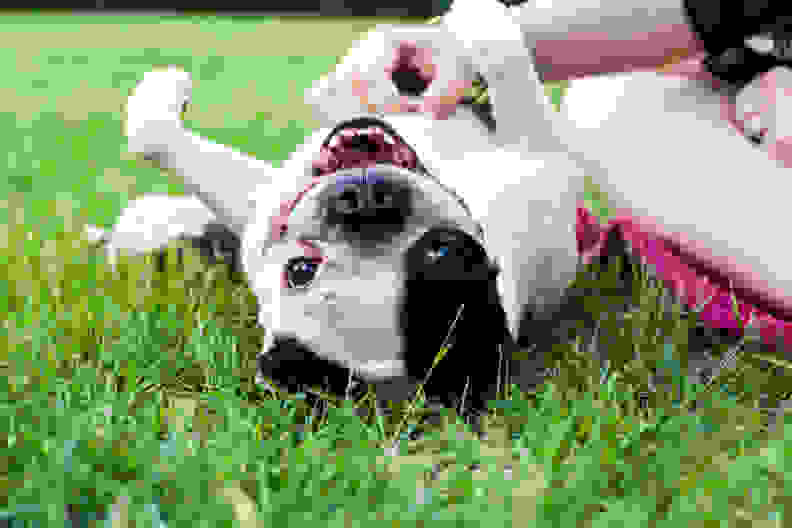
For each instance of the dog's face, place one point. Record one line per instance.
(372, 266)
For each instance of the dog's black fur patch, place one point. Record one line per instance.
(295, 367)
(366, 222)
(435, 288)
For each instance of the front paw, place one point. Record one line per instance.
(155, 108)
(358, 84)
(393, 69)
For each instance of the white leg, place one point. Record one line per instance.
(527, 207)
(222, 178)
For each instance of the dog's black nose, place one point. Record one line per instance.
(362, 197)
(371, 210)
(363, 143)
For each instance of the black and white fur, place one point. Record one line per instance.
(382, 311)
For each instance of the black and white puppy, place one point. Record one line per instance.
(386, 237)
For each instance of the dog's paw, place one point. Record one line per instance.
(393, 69)
(155, 108)
(357, 85)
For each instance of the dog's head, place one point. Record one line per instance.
(372, 269)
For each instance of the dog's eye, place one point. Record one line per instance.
(437, 252)
(300, 271)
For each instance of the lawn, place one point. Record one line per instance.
(137, 386)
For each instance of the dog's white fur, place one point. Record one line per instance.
(661, 140)
(519, 184)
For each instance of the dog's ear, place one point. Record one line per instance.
(526, 205)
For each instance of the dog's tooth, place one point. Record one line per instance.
(335, 142)
(389, 139)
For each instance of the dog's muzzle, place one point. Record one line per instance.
(370, 207)
(355, 195)
(369, 187)
(365, 205)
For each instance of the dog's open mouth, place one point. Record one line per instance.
(362, 143)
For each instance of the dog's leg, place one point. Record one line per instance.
(223, 178)
(527, 210)
(493, 41)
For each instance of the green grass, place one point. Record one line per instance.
(118, 362)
